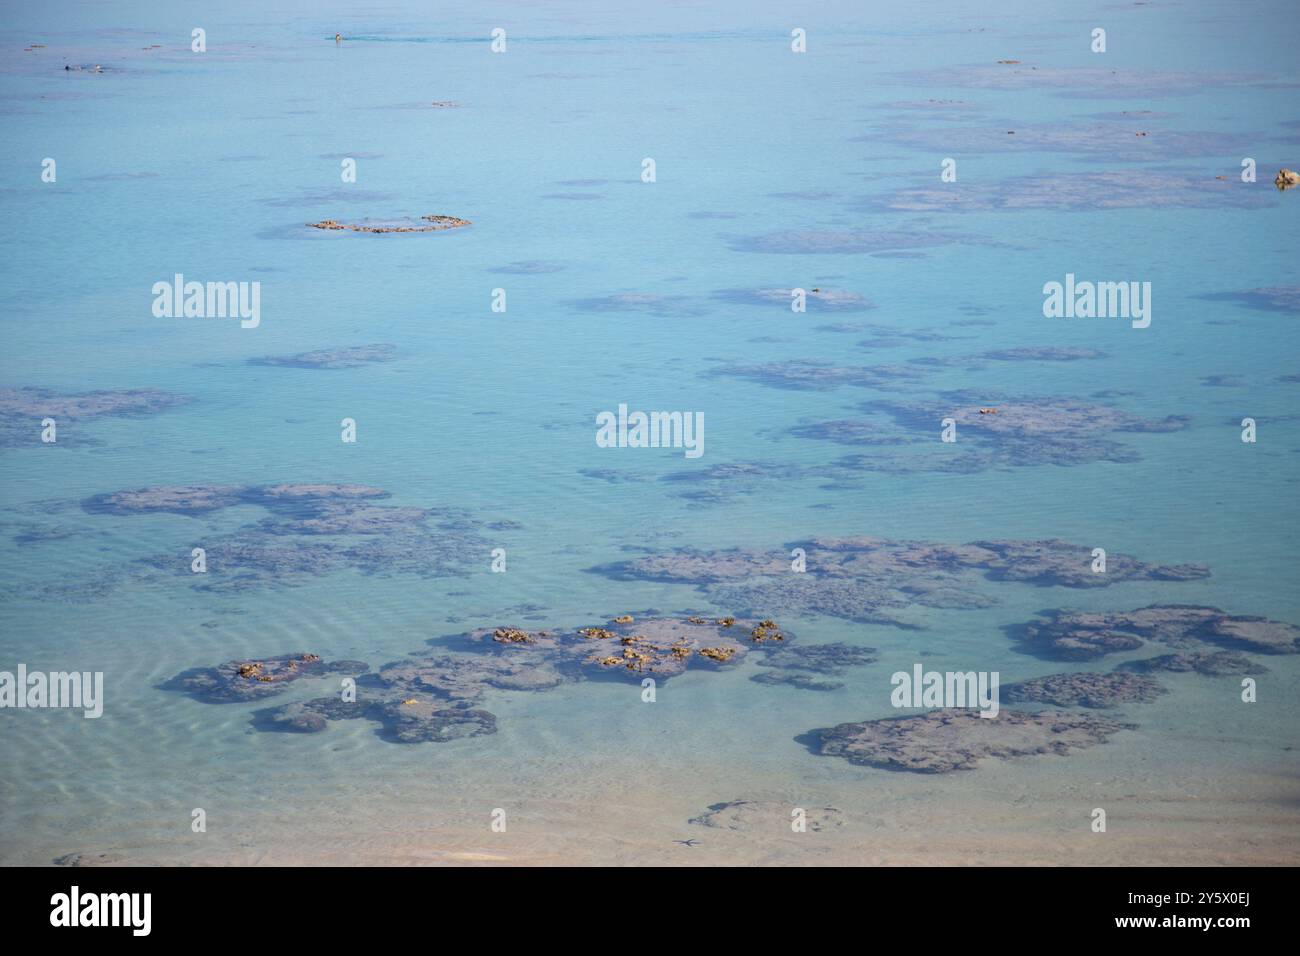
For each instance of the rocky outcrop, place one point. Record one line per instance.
(423, 224)
(662, 647)
(256, 678)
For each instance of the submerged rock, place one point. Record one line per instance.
(200, 499)
(1255, 634)
(1082, 635)
(847, 431)
(852, 599)
(353, 357)
(1079, 192)
(310, 530)
(1283, 298)
(1043, 353)
(1048, 562)
(337, 518)
(1209, 663)
(38, 402)
(312, 491)
(467, 677)
(846, 241)
(815, 299)
(798, 679)
(809, 375)
(180, 499)
(1112, 139)
(421, 699)
(89, 859)
(23, 409)
(1029, 418)
(1056, 563)
(416, 721)
(1075, 635)
(647, 303)
(876, 580)
(1086, 690)
(1062, 641)
(767, 816)
(1023, 432)
(942, 741)
(309, 716)
(820, 658)
(404, 716)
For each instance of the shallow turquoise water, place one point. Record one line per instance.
(210, 164)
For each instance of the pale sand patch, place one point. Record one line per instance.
(888, 822)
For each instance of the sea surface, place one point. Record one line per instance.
(774, 170)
